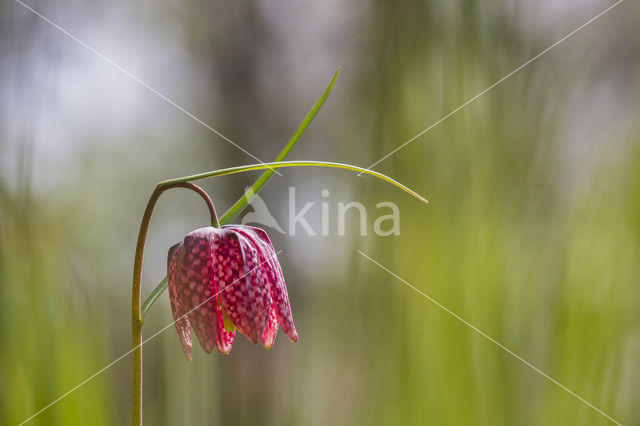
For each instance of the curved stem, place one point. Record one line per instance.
(136, 314)
(212, 210)
(136, 311)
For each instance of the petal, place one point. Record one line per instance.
(270, 332)
(267, 258)
(279, 293)
(224, 338)
(179, 313)
(244, 286)
(196, 287)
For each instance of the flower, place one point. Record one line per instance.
(223, 279)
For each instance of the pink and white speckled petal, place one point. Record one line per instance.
(224, 338)
(270, 332)
(245, 294)
(268, 259)
(257, 290)
(196, 287)
(181, 320)
(279, 293)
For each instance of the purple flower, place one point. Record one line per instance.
(223, 279)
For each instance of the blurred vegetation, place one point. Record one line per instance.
(532, 234)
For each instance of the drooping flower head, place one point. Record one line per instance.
(223, 279)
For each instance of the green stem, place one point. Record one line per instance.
(136, 310)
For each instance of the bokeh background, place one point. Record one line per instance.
(532, 234)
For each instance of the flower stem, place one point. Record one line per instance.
(212, 210)
(136, 309)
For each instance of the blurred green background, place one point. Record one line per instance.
(532, 234)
